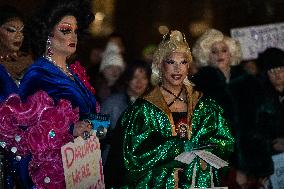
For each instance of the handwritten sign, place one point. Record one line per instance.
(82, 164)
(277, 179)
(256, 39)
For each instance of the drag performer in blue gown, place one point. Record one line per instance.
(52, 44)
(45, 75)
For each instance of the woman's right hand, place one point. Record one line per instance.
(81, 127)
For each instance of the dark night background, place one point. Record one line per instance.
(138, 20)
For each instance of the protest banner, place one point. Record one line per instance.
(82, 164)
(255, 39)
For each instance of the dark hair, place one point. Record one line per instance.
(43, 23)
(7, 13)
(270, 58)
(123, 82)
(135, 65)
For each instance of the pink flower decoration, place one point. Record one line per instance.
(46, 131)
(80, 71)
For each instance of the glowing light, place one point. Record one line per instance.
(198, 27)
(99, 16)
(163, 29)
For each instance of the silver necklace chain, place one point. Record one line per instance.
(67, 71)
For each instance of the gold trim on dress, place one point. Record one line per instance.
(155, 97)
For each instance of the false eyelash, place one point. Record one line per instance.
(65, 30)
(169, 61)
(11, 29)
(183, 62)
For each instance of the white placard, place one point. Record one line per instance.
(277, 179)
(82, 164)
(255, 39)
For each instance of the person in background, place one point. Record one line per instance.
(167, 120)
(136, 79)
(13, 63)
(215, 49)
(250, 66)
(118, 39)
(11, 40)
(240, 95)
(216, 58)
(271, 63)
(111, 68)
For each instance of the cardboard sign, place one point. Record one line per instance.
(82, 164)
(277, 179)
(256, 39)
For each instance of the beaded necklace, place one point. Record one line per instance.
(67, 71)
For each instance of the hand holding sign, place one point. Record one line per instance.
(82, 164)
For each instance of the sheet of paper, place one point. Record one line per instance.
(210, 158)
(186, 157)
(213, 160)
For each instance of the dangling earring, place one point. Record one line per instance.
(49, 52)
(160, 77)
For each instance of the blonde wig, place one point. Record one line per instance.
(173, 42)
(202, 47)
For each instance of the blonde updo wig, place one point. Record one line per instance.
(202, 47)
(173, 42)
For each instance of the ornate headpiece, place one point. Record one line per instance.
(172, 42)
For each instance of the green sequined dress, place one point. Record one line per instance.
(149, 141)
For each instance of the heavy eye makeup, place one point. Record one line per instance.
(183, 62)
(169, 61)
(12, 29)
(66, 29)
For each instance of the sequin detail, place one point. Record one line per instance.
(51, 133)
(149, 148)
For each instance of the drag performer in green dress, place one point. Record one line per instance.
(168, 120)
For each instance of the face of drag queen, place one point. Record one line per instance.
(11, 35)
(220, 56)
(174, 69)
(64, 40)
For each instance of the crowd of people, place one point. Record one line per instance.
(167, 112)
